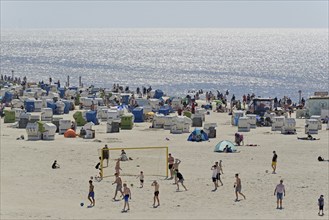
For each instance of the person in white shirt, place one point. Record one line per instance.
(280, 192)
(214, 169)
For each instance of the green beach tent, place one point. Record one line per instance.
(221, 145)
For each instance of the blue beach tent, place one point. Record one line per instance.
(198, 135)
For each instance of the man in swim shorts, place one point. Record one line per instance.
(127, 195)
(118, 188)
(238, 186)
(171, 161)
(156, 193)
(91, 195)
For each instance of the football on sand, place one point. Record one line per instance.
(81, 204)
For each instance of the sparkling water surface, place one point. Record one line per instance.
(268, 62)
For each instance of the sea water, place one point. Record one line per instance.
(267, 62)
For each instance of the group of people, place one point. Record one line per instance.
(125, 191)
(176, 175)
(217, 171)
(173, 165)
(174, 171)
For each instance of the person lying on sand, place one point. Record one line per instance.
(320, 159)
(309, 138)
(252, 145)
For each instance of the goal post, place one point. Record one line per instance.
(153, 161)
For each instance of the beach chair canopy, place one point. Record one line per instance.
(221, 145)
(198, 135)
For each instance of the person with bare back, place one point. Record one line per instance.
(117, 166)
(156, 193)
(118, 188)
(238, 186)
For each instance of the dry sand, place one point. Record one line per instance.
(30, 189)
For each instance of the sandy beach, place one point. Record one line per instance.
(30, 189)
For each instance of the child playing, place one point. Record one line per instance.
(141, 178)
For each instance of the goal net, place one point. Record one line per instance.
(153, 161)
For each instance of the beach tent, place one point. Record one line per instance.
(198, 135)
(221, 145)
(69, 133)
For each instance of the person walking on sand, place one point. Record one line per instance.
(171, 160)
(117, 166)
(321, 204)
(280, 192)
(175, 168)
(126, 197)
(91, 194)
(141, 178)
(106, 154)
(238, 187)
(274, 161)
(220, 166)
(218, 174)
(156, 193)
(118, 188)
(98, 166)
(180, 180)
(214, 176)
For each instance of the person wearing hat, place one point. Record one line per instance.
(321, 204)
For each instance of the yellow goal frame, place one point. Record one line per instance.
(133, 148)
